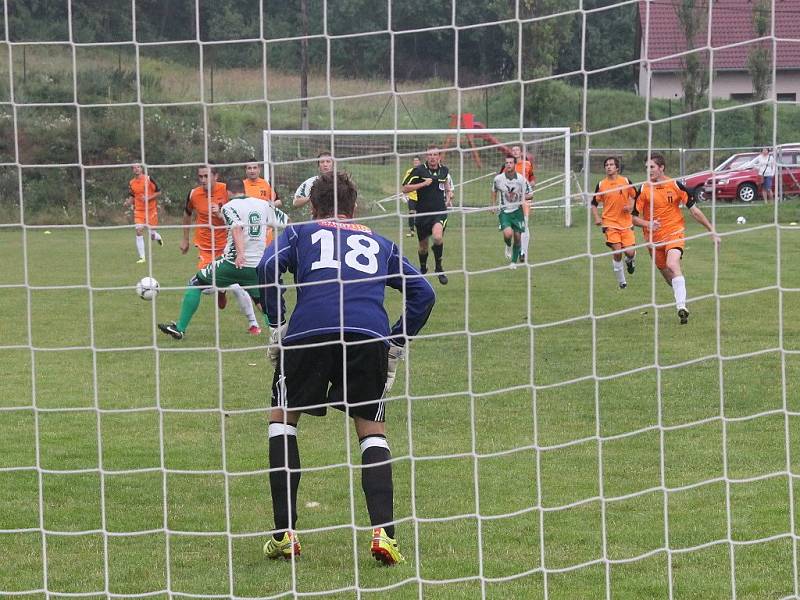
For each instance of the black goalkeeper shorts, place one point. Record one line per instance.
(311, 376)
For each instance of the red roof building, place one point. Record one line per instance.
(723, 43)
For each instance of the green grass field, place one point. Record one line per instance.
(557, 437)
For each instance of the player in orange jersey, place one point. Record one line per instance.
(256, 186)
(210, 231)
(658, 212)
(524, 167)
(143, 192)
(617, 195)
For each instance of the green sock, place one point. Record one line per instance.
(189, 304)
(515, 253)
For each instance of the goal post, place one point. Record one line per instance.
(381, 157)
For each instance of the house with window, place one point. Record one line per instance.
(723, 43)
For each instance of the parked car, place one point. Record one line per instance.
(695, 183)
(742, 184)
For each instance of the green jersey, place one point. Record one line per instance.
(254, 215)
(512, 191)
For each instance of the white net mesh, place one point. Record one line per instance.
(553, 436)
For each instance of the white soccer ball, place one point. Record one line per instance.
(147, 288)
(741, 220)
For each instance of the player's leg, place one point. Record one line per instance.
(228, 276)
(284, 478)
(367, 368)
(424, 226)
(376, 481)
(525, 242)
(190, 302)
(412, 211)
(140, 242)
(628, 239)
(525, 238)
(376, 474)
(152, 223)
(294, 387)
(508, 233)
(516, 221)
(673, 265)
(422, 253)
(616, 262)
(437, 233)
(508, 239)
(206, 258)
(517, 248)
(243, 299)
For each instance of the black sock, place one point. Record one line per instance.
(423, 260)
(283, 452)
(437, 255)
(376, 481)
(411, 222)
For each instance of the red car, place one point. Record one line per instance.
(695, 183)
(743, 184)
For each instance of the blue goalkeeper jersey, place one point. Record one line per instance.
(341, 271)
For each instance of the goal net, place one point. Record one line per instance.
(554, 434)
(379, 160)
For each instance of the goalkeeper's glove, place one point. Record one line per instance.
(275, 336)
(396, 354)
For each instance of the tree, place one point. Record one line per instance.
(694, 76)
(545, 41)
(759, 64)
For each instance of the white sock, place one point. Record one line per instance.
(140, 245)
(619, 272)
(679, 289)
(154, 235)
(245, 304)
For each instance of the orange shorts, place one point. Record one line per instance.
(625, 237)
(205, 257)
(659, 250)
(146, 217)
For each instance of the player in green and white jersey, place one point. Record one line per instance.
(513, 191)
(246, 219)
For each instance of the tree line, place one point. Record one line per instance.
(484, 53)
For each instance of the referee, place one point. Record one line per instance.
(430, 181)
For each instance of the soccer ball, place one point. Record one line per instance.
(741, 220)
(147, 288)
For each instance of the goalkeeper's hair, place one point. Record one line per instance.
(614, 159)
(332, 194)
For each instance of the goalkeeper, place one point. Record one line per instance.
(337, 349)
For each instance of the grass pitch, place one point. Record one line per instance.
(557, 437)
